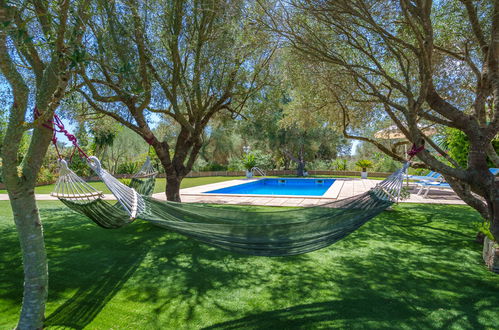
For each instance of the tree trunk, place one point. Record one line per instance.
(27, 220)
(301, 168)
(30, 231)
(494, 206)
(186, 151)
(173, 187)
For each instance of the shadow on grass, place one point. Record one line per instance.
(313, 315)
(95, 264)
(79, 310)
(416, 267)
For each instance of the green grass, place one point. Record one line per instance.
(416, 267)
(160, 184)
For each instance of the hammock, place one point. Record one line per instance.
(266, 233)
(144, 180)
(75, 193)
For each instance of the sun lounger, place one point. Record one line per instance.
(429, 184)
(432, 176)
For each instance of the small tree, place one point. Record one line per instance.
(340, 164)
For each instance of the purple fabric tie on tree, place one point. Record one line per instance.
(415, 150)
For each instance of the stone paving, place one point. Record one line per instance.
(342, 188)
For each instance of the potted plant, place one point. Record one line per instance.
(364, 164)
(249, 162)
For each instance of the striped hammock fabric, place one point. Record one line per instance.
(272, 232)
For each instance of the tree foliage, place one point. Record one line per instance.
(458, 146)
(179, 62)
(414, 62)
(39, 46)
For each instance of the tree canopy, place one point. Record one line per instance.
(293, 79)
(173, 61)
(415, 63)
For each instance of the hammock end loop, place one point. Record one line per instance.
(94, 163)
(63, 163)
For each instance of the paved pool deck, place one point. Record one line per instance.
(341, 189)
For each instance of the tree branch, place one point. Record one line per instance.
(475, 25)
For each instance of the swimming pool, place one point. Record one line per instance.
(279, 186)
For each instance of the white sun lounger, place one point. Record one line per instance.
(428, 185)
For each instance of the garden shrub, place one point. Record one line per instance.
(235, 164)
(214, 167)
(249, 161)
(319, 164)
(385, 164)
(80, 167)
(339, 164)
(46, 176)
(125, 181)
(264, 160)
(198, 164)
(458, 146)
(128, 168)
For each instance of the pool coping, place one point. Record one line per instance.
(332, 193)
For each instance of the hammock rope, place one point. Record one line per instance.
(145, 179)
(77, 194)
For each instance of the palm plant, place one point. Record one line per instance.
(364, 164)
(249, 162)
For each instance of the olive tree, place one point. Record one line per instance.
(40, 42)
(418, 62)
(177, 62)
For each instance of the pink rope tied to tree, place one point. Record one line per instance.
(57, 126)
(150, 140)
(415, 150)
(61, 129)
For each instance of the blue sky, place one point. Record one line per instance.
(71, 129)
(355, 143)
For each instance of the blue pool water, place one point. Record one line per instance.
(279, 186)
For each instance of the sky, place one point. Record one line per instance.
(355, 143)
(70, 128)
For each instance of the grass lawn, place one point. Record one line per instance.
(416, 267)
(160, 184)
